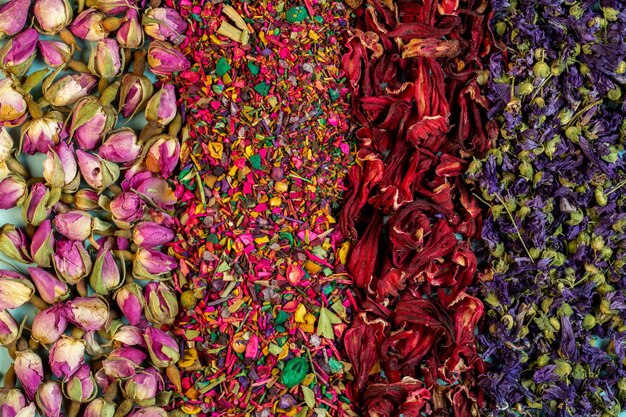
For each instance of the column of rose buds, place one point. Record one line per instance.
(93, 255)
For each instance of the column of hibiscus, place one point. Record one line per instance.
(416, 75)
(91, 256)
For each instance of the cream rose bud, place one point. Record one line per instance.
(52, 15)
(69, 89)
(43, 133)
(13, 108)
(49, 399)
(66, 356)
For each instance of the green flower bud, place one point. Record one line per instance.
(576, 11)
(555, 323)
(579, 372)
(541, 69)
(525, 88)
(565, 115)
(572, 133)
(589, 322)
(563, 368)
(614, 94)
(500, 28)
(597, 243)
(534, 252)
(621, 67)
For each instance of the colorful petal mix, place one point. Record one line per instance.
(380, 208)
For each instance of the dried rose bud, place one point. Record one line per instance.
(99, 407)
(6, 144)
(69, 89)
(163, 154)
(13, 108)
(106, 59)
(55, 53)
(149, 412)
(129, 336)
(156, 189)
(127, 208)
(149, 264)
(36, 208)
(49, 287)
(67, 355)
(53, 171)
(130, 300)
(71, 261)
(88, 313)
(97, 172)
(49, 325)
(13, 403)
(162, 347)
(161, 303)
(67, 156)
(13, 192)
(89, 26)
(111, 7)
(17, 290)
(123, 362)
(165, 24)
(18, 53)
(52, 15)
(80, 387)
(105, 275)
(9, 329)
(42, 244)
(49, 398)
(86, 199)
(121, 146)
(143, 387)
(29, 371)
(13, 243)
(151, 235)
(130, 33)
(74, 225)
(164, 59)
(43, 133)
(135, 92)
(161, 108)
(90, 121)
(13, 16)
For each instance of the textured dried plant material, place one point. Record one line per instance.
(229, 11)
(354, 3)
(431, 48)
(231, 32)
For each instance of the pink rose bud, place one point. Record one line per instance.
(130, 33)
(67, 355)
(165, 24)
(13, 403)
(106, 60)
(13, 108)
(13, 191)
(36, 207)
(149, 412)
(91, 121)
(71, 261)
(86, 199)
(49, 399)
(161, 108)
(88, 313)
(13, 16)
(42, 244)
(67, 156)
(105, 275)
(149, 264)
(111, 7)
(17, 290)
(55, 53)
(97, 172)
(127, 208)
(135, 92)
(14, 244)
(164, 59)
(69, 89)
(18, 53)
(6, 144)
(89, 26)
(129, 336)
(130, 300)
(121, 146)
(74, 225)
(49, 287)
(41, 134)
(143, 387)
(9, 329)
(123, 362)
(156, 189)
(161, 303)
(49, 325)
(162, 156)
(151, 235)
(80, 387)
(52, 15)
(162, 347)
(29, 371)
(99, 407)
(53, 171)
